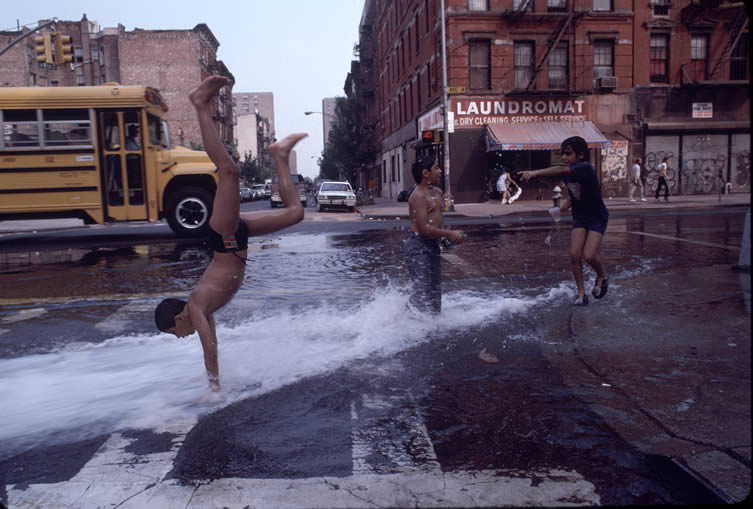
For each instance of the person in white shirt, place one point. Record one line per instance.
(635, 179)
(663, 180)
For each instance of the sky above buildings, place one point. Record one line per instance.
(300, 50)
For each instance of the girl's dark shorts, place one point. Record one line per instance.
(594, 224)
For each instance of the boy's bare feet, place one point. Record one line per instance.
(283, 147)
(201, 95)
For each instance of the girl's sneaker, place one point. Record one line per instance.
(581, 301)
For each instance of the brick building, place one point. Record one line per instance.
(524, 74)
(174, 61)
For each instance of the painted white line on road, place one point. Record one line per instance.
(482, 488)
(125, 316)
(372, 439)
(699, 242)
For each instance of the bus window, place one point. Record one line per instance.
(133, 130)
(20, 129)
(114, 179)
(112, 133)
(156, 134)
(66, 128)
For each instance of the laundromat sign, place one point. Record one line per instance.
(475, 113)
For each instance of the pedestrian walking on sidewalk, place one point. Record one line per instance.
(421, 248)
(590, 215)
(663, 180)
(635, 179)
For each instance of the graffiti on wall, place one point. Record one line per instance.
(740, 177)
(704, 164)
(614, 177)
(651, 165)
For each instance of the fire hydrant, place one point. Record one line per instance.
(556, 195)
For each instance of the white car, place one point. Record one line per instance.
(335, 194)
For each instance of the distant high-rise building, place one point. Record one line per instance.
(328, 117)
(255, 121)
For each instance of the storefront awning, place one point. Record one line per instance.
(541, 135)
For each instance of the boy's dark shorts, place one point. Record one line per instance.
(594, 224)
(229, 243)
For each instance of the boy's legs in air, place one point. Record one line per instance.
(226, 206)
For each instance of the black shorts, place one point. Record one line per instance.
(229, 243)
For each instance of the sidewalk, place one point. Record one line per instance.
(386, 208)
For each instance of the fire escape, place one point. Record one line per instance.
(524, 8)
(738, 26)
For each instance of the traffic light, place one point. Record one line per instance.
(432, 136)
(63, 49)
(44, 48)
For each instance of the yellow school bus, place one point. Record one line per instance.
(101, 154)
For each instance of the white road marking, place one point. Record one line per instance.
(698, 242)
(24, 314)
(125, 316)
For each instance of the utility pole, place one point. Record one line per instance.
(449, 202)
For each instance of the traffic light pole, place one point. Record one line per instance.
(449, 202)
(24, 36)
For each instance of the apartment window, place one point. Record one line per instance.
(418, 90)
(402, 49)
(522, 5)
(558, 66)
(699, 55)
(415, 32)
(480, 65)
(426, 5)
(428, 80)
(603, 58)
(602, 5)
(478, 5)
(658, 59)
(738, 60)
(80, 81)
(523, 54)
(660, 7)
(556, 5)
(78, 54)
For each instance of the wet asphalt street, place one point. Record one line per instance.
(336, 395)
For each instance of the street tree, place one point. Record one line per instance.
(352, 143)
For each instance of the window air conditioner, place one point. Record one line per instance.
(606, 82)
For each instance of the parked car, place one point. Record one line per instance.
(260, 191)
(246, 194)
(405, 194)
(300, 185)
(336, 194)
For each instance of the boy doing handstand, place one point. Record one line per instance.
(590, 215)
(228, 235)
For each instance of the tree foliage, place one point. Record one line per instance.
(352, 143)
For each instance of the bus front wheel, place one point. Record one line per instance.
(188, 211)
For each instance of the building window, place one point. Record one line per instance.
(658, 59)
(427, 15)
(558, 66)
(478, 5)
(556, 5)
(418, 89)
(602, 5)
(603, 58)
(523, 51)
(660, 7)
(80, 81)
(522, 5)
(415, 32)
(738, 60)
(78, 54)
(699, 55)
(480, 65)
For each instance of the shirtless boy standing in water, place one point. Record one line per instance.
(228, 235)
(421, 249)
